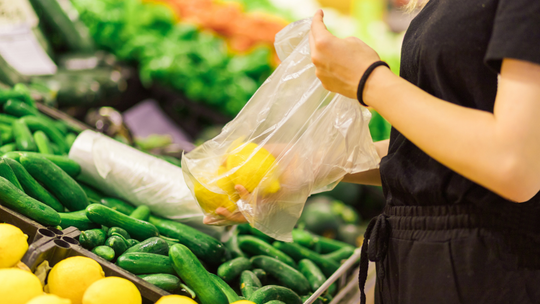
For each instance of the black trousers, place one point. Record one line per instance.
(458, 254)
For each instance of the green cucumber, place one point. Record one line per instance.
(77, 219)
(261, 275)
(118, 205)
(275, 302)
(23, 136)
(165, 281)
(56, 180)
(21, 92)
(232, 246)
(42, 143)
(141, 213)
(259, 234)
(139, 230)
(118, 230)
(331, 245)
(255, 246)
(92, 238)
(305, 238)
(317, 301)
(105, 252)
(8, 147)
(312, 273)
(7, 173)
(132, 242)
(70, 139)
(153, 245)
(184, 289)
(7, 119)
(297, 252)
(38, 123)
(145, 263)
(332, 289)
(284, 273)
(230, 270)
(193, 273)
(273, 292)
(340, 254)
(69, 166)
(6, 134)
(249, 283)
(117, 243)
(18, 108)
(91, 192)
(231, 295)
(17, 200)
(205, 247)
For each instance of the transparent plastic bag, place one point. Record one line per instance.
(292, 139)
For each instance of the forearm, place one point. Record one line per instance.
(370, 177)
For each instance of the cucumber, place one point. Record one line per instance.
(167, 282)
(42, 143)
(18, 108)
(141, 213)
(22, 93)
(118, 205)
(8, 147)
(317, 301)
(275, 302)
(331, 245)
(76, 219)
(69, 166)
(231, 295)
(105, 252)
(139, 230)
(305, 239)
(70, 139)
(132, 242)
(68, 192)
(297, 252)
(91, 192)
(273, 292)
(7, 173)
(259, 234)
(7, 119)
(117, 243)
(35, 123)
(118, 230)
(332, 289)
(153, 245)
(92, 238)
(232, 246)
(187, 291)
(6, 134)
(255, 246)
(285, 274)
(340, 254)
(205, 247)
(145, 263)
(312, 273)
(17, 200)
(249, 283)
(230, 270)
(23, 136)
(193, 273)
(261, 275)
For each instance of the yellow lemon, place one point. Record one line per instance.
(18, 286)
(49, 299)
(242, 302)
(113, 290)
(175, 299)
(13, 245)
(210, 201)
(252, 167)
(71, 277)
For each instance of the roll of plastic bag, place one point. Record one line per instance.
(121, 171)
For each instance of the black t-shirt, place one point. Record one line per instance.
(453, 50)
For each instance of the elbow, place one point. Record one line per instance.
(518, 182)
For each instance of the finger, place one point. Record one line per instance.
(318, 29)
(234, 217)
(244, 194)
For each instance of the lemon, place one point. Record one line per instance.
(13, 245)
(210, 201)
(49, 299)
(242, 302)
(175, 299)
(71, 277)
(112, 290)
(18, 286)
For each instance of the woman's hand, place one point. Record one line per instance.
(340, 63)
(236, 217)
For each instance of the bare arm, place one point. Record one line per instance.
(499, 150)
(370, 177)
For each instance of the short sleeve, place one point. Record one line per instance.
(516, 33)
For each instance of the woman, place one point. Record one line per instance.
(461, 172)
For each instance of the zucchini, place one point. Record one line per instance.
(68, 192)
(104, 252)
(76, 219)
(230, 270)
(35, 123)
(273, 292)
(340, 254)
(139, 230)
(118, 205)
(23, 136)
(255, 246)
(7, 173)
(249, 283)
(69, 166)
(42, 143)
(231, 295)
(8, 147)
(7, 119)
(285, 274)
(91, 192)
(141, 213)
(17, 200)
(92, 238)
(193, 273)
(18, 108)
(232, 246)
(165, 281)
(261, 275)
(312, 273)
(203, 246)
(154, 245)
(118, 230)
(117, 243)
(132, 242)
(145, 263)
(297, 252)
